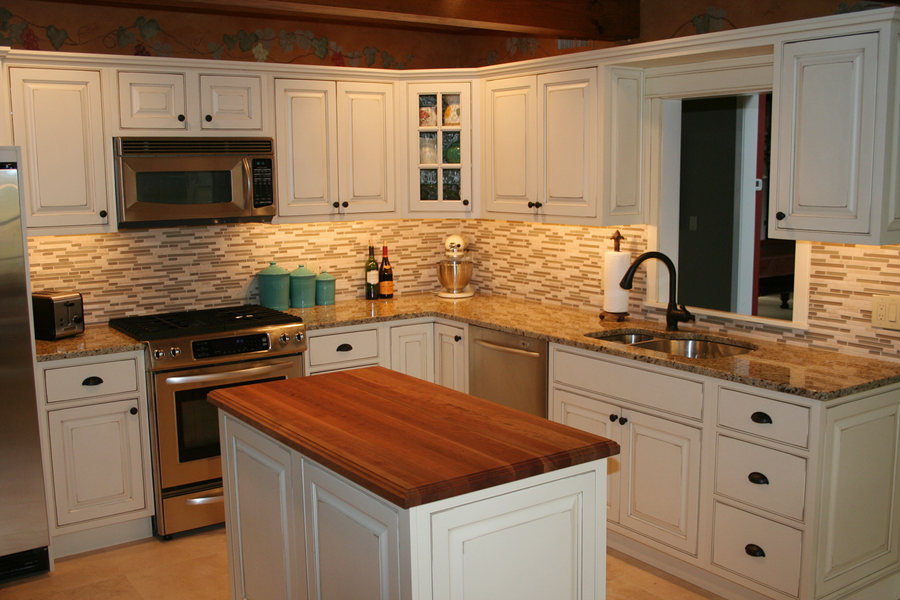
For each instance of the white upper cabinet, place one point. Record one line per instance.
(57, 119)
(541, 146)
(189, 101)
(567, 140)
(440, 148)
(306, 146)
(365, 128)
(622, 142)
(835, 159)
(510, 145)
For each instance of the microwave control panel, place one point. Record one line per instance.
(263, 184)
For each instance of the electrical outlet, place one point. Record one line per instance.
(886, 312)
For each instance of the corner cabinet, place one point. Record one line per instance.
(95, 435)
(746, 492)
(541, 146)
(334, 144)
(440, 151)
(836, 140)
(57, 119)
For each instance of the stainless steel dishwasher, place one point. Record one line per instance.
(508, 369)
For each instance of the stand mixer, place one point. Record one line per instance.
(455, 270)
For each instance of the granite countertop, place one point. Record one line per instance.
(408, 440)
(816, 374)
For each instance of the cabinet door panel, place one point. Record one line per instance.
(825, 136)
(567, 138)
(352, 540)
(306, 140)
(366, 147)
(451, 360)
(96, 458)
(594, 416)
(57, 120)
(230, 102)
(152, 100)
(511, 144)
(661, 480)
(412, 350)
(622, 134)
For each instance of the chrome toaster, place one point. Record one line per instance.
(57, 314)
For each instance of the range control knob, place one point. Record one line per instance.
(299, 337)
(175, 352)
(284, 338)
(159, 354)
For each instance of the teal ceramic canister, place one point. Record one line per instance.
(325, 289)
(274, 287)
(303, 288)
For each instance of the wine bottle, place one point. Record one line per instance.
(372, 275)
(385, 276)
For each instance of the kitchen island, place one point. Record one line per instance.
(372, 484)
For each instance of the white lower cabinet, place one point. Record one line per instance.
(747, 492)
(349, 347)
(451, 356)
(95, 436)
(412, 350)
(297, 530)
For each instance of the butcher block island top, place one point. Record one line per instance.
(407, 440)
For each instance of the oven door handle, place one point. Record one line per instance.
(229, 375)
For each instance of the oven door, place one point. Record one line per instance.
(159, 189)
(187, 426)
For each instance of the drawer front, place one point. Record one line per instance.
(735, 532)
(762, 477)
(757, 415)
(88, 381)
(333, 350)
(667, 393)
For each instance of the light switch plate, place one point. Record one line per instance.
(886, 312)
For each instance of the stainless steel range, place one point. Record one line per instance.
(190, 354)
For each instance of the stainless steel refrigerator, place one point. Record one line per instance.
(23, 514)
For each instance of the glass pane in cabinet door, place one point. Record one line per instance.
(450, 143)
(428, 110)
(428, 189)
(450, 109)
(428, 148)
(451, 184)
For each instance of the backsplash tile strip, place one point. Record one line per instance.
(161, 270)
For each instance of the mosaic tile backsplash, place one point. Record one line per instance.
(171, 269)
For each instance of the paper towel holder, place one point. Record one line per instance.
(605, 315)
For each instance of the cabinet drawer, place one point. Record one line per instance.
(762, 477)
(88, 381)
(677, 395)
(734, 534)
(757, 415)
(333, 350)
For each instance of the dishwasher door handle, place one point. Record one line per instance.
(508, 349)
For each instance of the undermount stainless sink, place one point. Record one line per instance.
(678, 344)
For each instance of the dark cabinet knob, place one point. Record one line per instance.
(538, 204)
(103, 214)
(531, 205)
(208, 118)
(344, 348)
(465, 202)
(92, 380)
(761, 418)
(613, 418)
(133, 410)
(345, 204)
(336, 204)
(780, 216)
(622, 420)
(758, 478)
(754, 550)
(181, 118)
(457, 338)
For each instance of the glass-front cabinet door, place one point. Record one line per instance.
(440, 148)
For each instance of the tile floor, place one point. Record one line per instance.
(194, 567)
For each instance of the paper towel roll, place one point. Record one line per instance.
(615, 299)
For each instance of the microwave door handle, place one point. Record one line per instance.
(248, 182)
(229, 375)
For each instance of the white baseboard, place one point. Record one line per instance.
(77, 542)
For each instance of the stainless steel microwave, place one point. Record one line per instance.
(173, 181)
